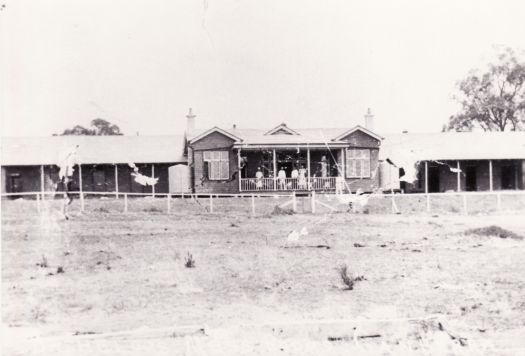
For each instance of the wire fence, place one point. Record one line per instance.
(261, 204)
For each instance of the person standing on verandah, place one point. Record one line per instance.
(258, 179)
(281, 176)
(302, 177)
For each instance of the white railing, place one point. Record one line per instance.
(269, 184)
(323, 183)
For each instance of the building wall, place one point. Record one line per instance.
(214, 141)
(359, 139)
(22, 179)
(448, 179)
(95, 178)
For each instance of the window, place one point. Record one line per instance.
(357, 163)
(218, 164)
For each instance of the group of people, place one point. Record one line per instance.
(298, 174)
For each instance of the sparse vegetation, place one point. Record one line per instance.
(152, 209)
(494, 230)
(43, 263)
(348, 279)
(189, 262)
(277, 210)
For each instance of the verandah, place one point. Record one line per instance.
(290, 169)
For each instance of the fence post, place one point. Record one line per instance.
(428, 203)
(253, 205)
(211, 203)
(294, 202)
(498, 196)
(125, 203)
(313, 201)
(465, 210)
(168, 197)
(38, 202)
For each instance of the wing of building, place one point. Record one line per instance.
(455, 161)
(31, 164)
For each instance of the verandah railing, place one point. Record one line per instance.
(280, 184)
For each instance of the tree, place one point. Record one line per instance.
(494, 100)
(99, 127)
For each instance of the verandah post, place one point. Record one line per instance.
(274, 171)
(153, 176)
(42, 181)
(426, 177)
(239, 168)
(308, 167)
(116, 181)
(80, 187)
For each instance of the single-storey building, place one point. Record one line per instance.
(30, 164)
(277, 159)
(281, 158)
(454, 161)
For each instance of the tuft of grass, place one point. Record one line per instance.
(277, 210)
(494, 230)
(101, 209)
(152, 209)
(189, 262)
(347, 279)
(43, 263)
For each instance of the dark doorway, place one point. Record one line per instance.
(433, 179)
(508, 177)
(99, 180)
(15, 183)
(471, 178)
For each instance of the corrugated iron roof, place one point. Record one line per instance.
(92, 149)
(455, 145)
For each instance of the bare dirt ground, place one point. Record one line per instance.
(253, 292)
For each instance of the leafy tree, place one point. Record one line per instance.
(494, 100)
(99, 127)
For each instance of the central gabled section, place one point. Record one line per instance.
(282, 129)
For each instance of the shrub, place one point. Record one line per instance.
(43, 263)
(494, 230)
(348, 280)
(189, 261)
(152, 209)
(277, 210)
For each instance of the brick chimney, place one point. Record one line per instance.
(190, 121)
(369, 120)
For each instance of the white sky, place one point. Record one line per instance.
(256, 63)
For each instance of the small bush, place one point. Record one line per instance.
(43, 263)
(101, 210)
(60, 269)
(152, 209)
(277, 210)
(494, 230)
(189, 262)
(347, 279)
